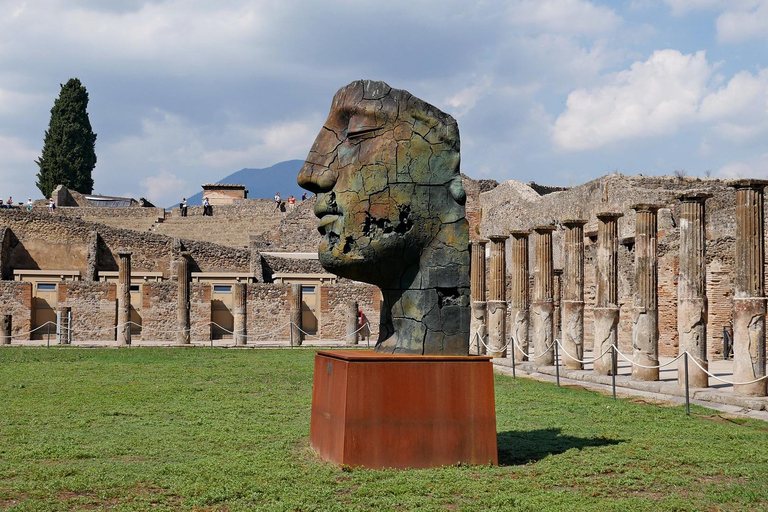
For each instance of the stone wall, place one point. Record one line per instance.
(16, 300)
(158, 310)
(333, 308)
(268, 312)
(94, 309)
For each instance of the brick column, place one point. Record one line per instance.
(297, 336)
(542, 306)
(692, 289)
(645, 328)
(6, 322)
(240, 313)
(478, 328)
(182, 308)
(124, 298)
(749, 289)
(606, 291)
(497, 298)
(573, 293)
(519, 302)
(64, 313)
(352, 328)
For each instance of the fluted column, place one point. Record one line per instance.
(478, 328)
(497, 298)
(352, 328)
(240, 313)
(606, 311)
(542, 306)
(749, 289)
(692, 289)
(573, 294)
(124, 298)
(297, 335)
(182, 308)
(519, 302)
(645, 328)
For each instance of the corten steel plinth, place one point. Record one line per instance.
(297, 334)
(542, 306)
(478, 327)
(749, 289)
(606, 310)
(497, 298)
(352, 328)
(645, 328)
(182, 309)
(240, 314)
(402, 411)
(124, 298)
(692, 290)
(519, 300)
(573, 294)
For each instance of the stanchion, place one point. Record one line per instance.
(48, 331)
(291, 335)
(613, 370)
(211, 341)
(557, 365)
(513, 358)
(687, 391)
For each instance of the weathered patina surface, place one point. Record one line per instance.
(385, 168)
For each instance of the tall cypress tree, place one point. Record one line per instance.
(69, 149)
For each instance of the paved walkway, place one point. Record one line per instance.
(718, 396)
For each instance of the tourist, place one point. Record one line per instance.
(29, 204)
(207, 208)
(51, 205)
(183, 207)
(291, 202)
(10, 201)
(304, 197)
(277, 202)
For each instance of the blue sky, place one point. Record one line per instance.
(555, 91)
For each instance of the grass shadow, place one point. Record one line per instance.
(521, 447)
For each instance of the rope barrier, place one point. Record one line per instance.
(532, 357)
(723, 380)
(583, 361)
(488, 349)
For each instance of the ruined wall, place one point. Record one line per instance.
(16, 300)
(94, 310)
(268, 312)
(158, 310)
(200, 311)
(333, 308)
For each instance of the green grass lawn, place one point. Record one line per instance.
(202, 429)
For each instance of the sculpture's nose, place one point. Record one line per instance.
(318, 174)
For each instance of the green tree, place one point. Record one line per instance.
(69, 149)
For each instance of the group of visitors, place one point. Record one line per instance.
(9, 204)
(207, 207)
(291, 202)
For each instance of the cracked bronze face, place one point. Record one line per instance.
(385, 168)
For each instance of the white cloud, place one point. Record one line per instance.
(651, 98)
(464, 100)
(161, 188)
(741, 24)
(564, 16)
(756, 167)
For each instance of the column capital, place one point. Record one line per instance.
(609, 215)
(478, 241)
(520, 233)
(574, 223)
(498, 238)
(747, 183)
(124, 253)
(694, 197)
(548, 228)
(646, 207)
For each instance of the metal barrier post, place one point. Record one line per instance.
(513, 358)
(557, 364)
(614, 369)
(687, 394)
(291, 335)
(48, 330)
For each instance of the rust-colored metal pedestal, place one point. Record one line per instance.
(400, 411)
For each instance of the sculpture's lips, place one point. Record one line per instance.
(325, 221)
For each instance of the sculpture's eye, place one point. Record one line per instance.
(361, 125)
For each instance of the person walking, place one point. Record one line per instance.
(277, 202)
(183, 207)
(51, 205)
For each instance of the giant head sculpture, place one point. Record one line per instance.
(385, 168)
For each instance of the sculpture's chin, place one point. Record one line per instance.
(344, 265)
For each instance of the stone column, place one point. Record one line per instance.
(352, 328)
(573, 293)
(478, 326)
(519, 302)
(240, 313)
(606, 292)
(749, 289)
(182, 309)
(497, 298)
(645, 326)
(63, 314)
(297, 336)
(692, 289)
(6, 322)
(542, 305)
(124, 298)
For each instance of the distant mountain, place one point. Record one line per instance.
(261, 183)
